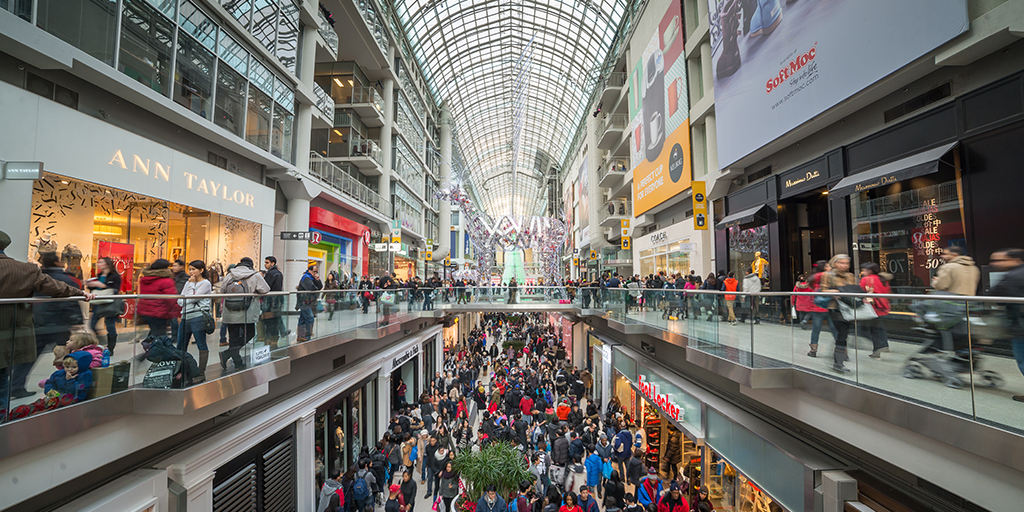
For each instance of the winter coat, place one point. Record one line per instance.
(635, 470)
(833, 280)
(498, 506)
(192, 308)
(449, 484)
(274, 279)
(673, 451)
(667, 504)
(805, 303)
(180, 278)
(604, 451)
(79, 385)
(576, 448)
(751, 283)
(560, 451)
(590, 505)
(731, 285)
(330, 499)
(1012, 285)
(594, 465)
(623, 444)
(959, 276)
(158, 282)
(97, 355)
(614, 493)
(57, 317)
(648, 492)
(255, 283)
(875, 284)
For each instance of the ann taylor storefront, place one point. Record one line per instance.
(105, 191)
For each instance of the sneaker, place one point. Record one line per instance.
(812, 354)
(876, 355)
(1018, 398)
(840, 368)
(732, 323)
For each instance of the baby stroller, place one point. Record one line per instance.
(951, 361)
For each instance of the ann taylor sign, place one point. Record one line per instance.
(663, 400)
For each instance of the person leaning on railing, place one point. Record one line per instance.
(20, 280)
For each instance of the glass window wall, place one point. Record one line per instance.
(193, 76)
(744, 246)
(145, 53)
(89, 25)
(667, 257)
(231, 94)
(198, 25)
(264, 23)
(344, 427)
(282, 136)
(257, 121)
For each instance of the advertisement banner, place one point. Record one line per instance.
(123, 256)
(584, 182)
(700, 205)
(659, 117)
(777, 64)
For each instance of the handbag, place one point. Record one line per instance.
(209, 323)
(387, 298)
(103, 292)
(861, 313)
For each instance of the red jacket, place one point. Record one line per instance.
(875, 284)
(526, 405)
(680, 506)
(730, 286)
(806, 302)
(158, 282)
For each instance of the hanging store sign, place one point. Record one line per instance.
(700, 205)
(401, 359)
(664, 401)
(22, 170)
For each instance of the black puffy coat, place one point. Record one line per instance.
(560, 451)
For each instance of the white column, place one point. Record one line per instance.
(305, 448)
(711, 142)
(303, 135)
(707, 69)
(307, 54)
(199, 491)
(702, 11)
(445, 226)
(383, 401)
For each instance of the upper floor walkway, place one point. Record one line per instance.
(947, 369)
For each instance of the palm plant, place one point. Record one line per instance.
(500, 464)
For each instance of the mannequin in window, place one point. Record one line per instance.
(45, 244)
(72, 259)
(759, 265)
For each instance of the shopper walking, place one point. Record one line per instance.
(833, 281)
(1011, 261)
(731, 285)
(271, 318)
(958, 274)
(194, 312)
(874, 281)
(107, 282)
(240, 312)
(157, 313)
(819, 315)
(307, 302)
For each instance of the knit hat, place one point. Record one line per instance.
(395, 488)
(5, 240)
(673, 487)
(604, 435)
(652, 471)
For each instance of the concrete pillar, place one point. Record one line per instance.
(305, 447)
(303, 136)
(711, 142)
(702, 11)
(299, 193)
(696, 83)
(307, 55)
(699, 154)
(383, 401)
(445, 226)
(707, 70)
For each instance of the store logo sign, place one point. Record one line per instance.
(663, 400)
(808, 177)
(659, 237)
(194, 182)
(407, 355)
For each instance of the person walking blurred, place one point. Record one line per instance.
(1011, 261)
(106, 282)
(833, 281)
(157, 313)
(874, 281)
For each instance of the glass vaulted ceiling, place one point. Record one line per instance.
(468, 50)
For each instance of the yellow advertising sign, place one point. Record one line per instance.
(625, 223)
(576, 261)
(430, 255)
(700, 205)
(669, 174)
(593, 254)
(626, 245)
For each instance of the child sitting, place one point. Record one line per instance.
(86, 342)
(74, 379)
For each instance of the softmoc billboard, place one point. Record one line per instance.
(777, 64)
(659, 111)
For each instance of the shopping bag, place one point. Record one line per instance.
(606, 469)
(387, 298)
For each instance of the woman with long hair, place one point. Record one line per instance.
(874, 281)
(449, 485)
(193, 323)
(106, 282)
(569, 503)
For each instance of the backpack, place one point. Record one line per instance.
(237, 303)
(360, 488)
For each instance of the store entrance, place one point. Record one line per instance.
(403, 384)
(805, 231)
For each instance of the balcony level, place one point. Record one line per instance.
(610, 129)
(613, 85)
(366, 102)
(614, 212)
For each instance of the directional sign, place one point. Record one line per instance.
(576, 261)
(380, 247)
(626, 245)
(625, 223)
(593, 254)
(299, 235)
(394, 247)
(430, 255)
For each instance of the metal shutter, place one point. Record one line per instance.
(238, 492)
(279, 478)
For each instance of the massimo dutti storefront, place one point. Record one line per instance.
(106, 192)
(896, 197)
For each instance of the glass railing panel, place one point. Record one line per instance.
(772, 336)
(996, 361)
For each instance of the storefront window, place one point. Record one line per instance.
(745, 246)
(146, 37)
(666, 257)
(342, 430)
(904, 227)
(721, 483)
(193, 76)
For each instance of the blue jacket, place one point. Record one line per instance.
(499, 504)
(594, 465)
(623, 444)
(78, 386)
(590, 505)
(643, 493)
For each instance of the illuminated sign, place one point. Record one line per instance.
(662, 400)
(158, 171)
